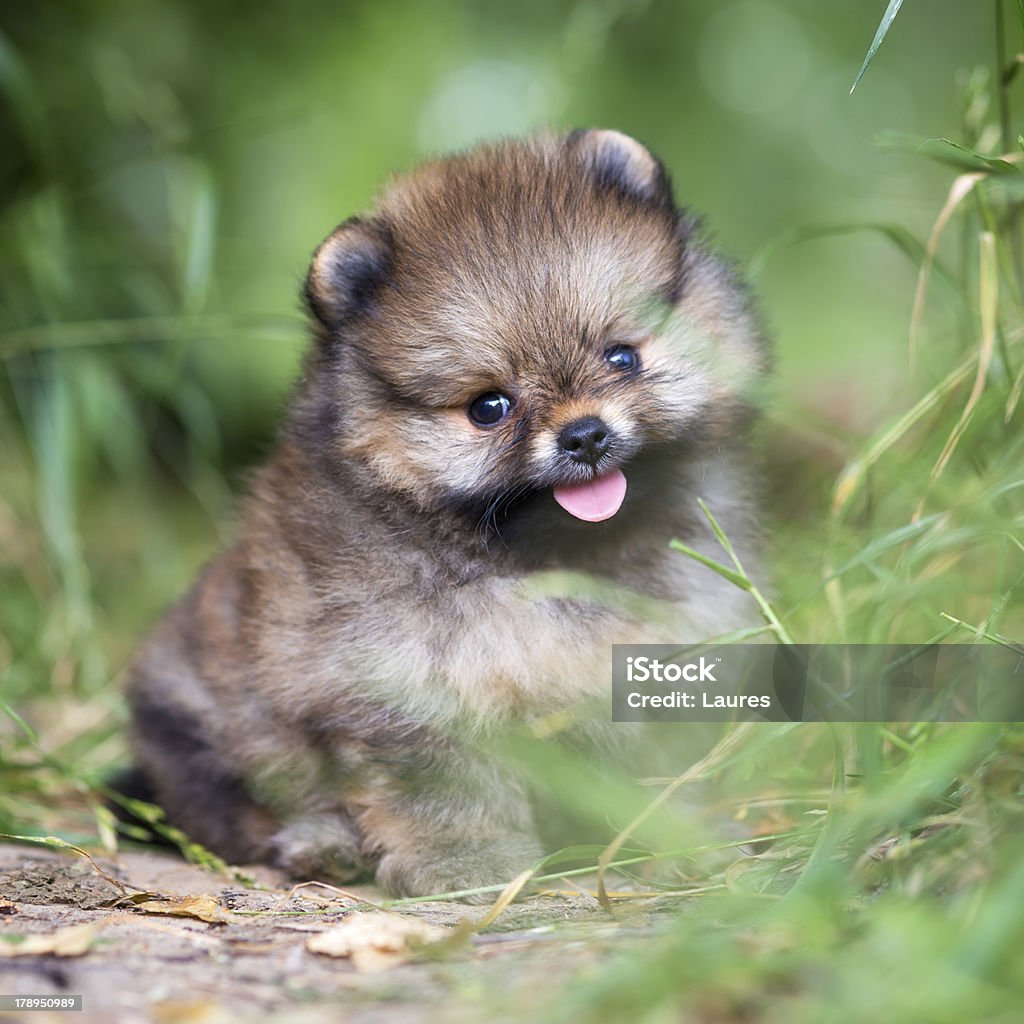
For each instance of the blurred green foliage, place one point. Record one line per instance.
(166, 168)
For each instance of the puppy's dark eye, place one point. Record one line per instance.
(622, 357)
(489, 408)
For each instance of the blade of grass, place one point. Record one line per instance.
(988, 300)
(997, 923)
(871, 551)
(561, 855)
(24, 101)
(883, 29)
(817, 863)
(1014, 398)
(852, 476)
(899, 236)
(733, 577)
(960, 189)
(738, 577)
(946, 151)
(981, 631)
(701, 769)
(20, 722)
(55, 843)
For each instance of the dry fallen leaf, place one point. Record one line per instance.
(375, 941)
(71, 941)
(202, 908)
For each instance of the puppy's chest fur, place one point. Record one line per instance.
(443, 637)
(496, 646)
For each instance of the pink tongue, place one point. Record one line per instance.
(595, 500)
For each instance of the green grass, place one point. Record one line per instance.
(892, 888)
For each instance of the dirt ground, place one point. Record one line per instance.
(149, 953)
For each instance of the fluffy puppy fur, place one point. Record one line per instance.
(405, 581)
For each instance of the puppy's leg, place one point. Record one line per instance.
(463, 825)
(293, 826)
(426, 864)
(192, 781)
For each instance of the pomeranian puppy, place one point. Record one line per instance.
(526, 368)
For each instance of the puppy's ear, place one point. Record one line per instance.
(621, 163)
(347, 271)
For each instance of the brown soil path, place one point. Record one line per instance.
(140, 963)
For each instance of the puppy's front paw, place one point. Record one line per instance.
(322, 846)
(457, 865)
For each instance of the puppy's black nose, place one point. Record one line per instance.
(586, 439)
